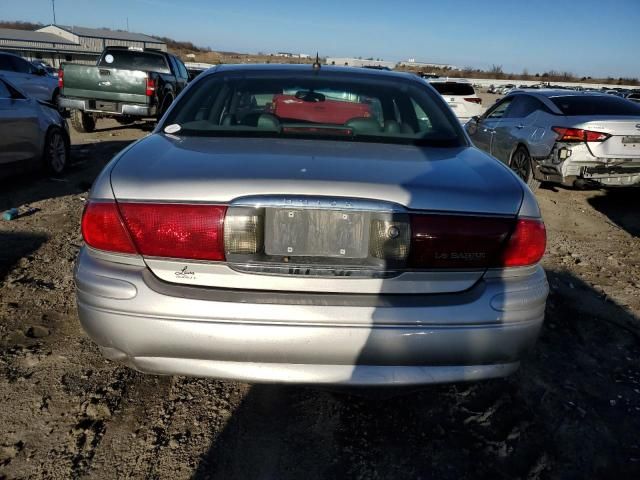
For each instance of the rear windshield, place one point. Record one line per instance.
(322, 106)
(453, 88)
(133, 60)
(596, 105)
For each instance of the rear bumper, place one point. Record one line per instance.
(582, 166)
(122, 108)
(477, 335)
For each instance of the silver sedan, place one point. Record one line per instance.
(312, 225)
(33, 134)
(562, 136)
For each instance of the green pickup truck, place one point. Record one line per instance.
(126, 84)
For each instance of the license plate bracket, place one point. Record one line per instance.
(631, 139)
(291, 232)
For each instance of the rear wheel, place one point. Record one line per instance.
(56, 151)
(165, 106)
(522, 165)
(82, 122)
(125, 120)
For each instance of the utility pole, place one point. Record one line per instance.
(127, 24)
(53, 7)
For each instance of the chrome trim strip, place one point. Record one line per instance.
(317, 202)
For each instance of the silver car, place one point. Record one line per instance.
(311, 225)
(563, 136)
(33, 135)
(30, 79)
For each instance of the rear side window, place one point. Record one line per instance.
(523, 106)
(182, 69)
(453, 88)
(596, 105)
(20, 65)
(4, 91)
(5, 63)
(133, 60)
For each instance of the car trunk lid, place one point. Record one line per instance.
(624, 136)
(318, 207)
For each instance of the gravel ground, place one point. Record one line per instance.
(572, 411)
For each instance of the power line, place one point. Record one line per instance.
(53, 7)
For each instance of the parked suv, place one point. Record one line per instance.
(30, 79)
(126, 84)
(459, 95)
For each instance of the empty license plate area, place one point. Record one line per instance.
(631, 140)
(106, 106)
(293, 232)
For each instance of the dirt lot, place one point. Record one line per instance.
(572, 411)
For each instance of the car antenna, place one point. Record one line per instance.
(316, 65)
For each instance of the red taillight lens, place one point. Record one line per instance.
(151, 87)
(102, 228)
(473, 100)
(176, 230)
(457, 241)
(526, 245)
(60, 79)
(579, 135)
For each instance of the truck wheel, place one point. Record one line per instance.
(521, 164)
(56, 151)
(125, 120)
(165, 106)
(82, 122)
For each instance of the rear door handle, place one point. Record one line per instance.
(520, 127)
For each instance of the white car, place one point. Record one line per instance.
(460, 95)
(33, 81)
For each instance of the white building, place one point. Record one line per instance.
(55, 44)
(358, 62)
(415, 64)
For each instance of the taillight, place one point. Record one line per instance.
(60, 79)
(102, 228)
(526, 245)
(458, 241)
(151, 87)
(473, 100)
(176, 230)
(579, 135)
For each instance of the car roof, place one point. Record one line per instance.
(447, 80)
(559, 92)
(294, 68)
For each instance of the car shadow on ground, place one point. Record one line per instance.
(571, 411)
(142, 126)
(621, 207)
(16, 245)
(86, 163)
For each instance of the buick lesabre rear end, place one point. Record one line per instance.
(311, 225)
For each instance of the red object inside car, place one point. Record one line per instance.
(328, 111)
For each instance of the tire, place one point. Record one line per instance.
(82, 122)
(125, 120)
(522, 165)
(56, 151)
(165, 106)
(55, 100)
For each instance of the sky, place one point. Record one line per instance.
(585, 37)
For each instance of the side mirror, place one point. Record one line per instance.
(472, 125)
(41, 72)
